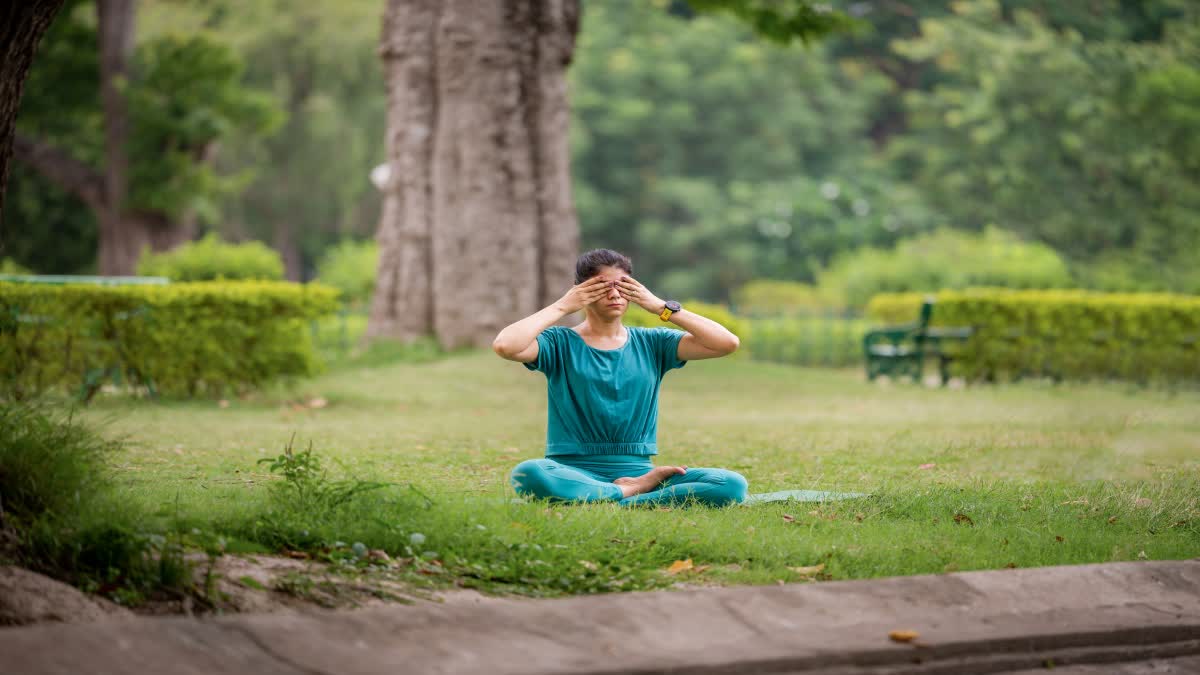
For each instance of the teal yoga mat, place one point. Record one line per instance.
(800, 496)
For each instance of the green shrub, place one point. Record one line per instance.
(770, 297)
(10, 266)
(50, 464)
(946, 259)
(350, 267)
(59, 500)
(636, 316)
(178, 339)
(1064, 334)
(807, 341)
(210, 259)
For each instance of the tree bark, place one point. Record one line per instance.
(478, 227)
(22, 25)
(402, 306)
(121, 239)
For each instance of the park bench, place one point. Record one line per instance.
(94, 378)
(901, 350)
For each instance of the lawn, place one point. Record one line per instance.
(978, 478)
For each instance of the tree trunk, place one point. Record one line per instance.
(402, 306)
(284, 241)
(121, 242)
(478, 227)
(21, 27)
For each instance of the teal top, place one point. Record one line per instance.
(604, 401)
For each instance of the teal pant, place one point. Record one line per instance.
(589, 478)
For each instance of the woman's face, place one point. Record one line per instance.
(612, 305)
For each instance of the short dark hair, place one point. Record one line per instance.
(588, 263)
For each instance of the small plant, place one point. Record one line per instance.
(306, 484)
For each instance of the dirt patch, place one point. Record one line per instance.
(273, 583)
(28, 597)
(229, 584)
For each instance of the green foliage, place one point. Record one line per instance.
(189, 95)
(945, 259)
(10, 266)
(306, 485)
(350, 267)
(185, 96)
(179, 339)
(777, 21)
(1082, 144)
(50, 463)
(713, 158)
(211, 259)
(816, 340)
(319, 62)
(1150, 337)
(636, 316)
(59, 499)
(770, 297)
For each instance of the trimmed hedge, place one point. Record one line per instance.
(180, 339)
(815, 340)
(636, 316)
(1064, 334)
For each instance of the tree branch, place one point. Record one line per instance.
(60, 167)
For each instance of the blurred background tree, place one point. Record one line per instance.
(706, 143)
(128, 131)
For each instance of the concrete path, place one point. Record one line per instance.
(1129, 618)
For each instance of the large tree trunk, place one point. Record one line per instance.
(478, 227)
(121, 241)
(22, 25)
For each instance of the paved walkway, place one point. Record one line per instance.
(1113, 618)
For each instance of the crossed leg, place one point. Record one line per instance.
(548, 479)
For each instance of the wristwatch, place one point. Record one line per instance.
(670, 309)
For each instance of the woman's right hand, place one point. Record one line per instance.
(583, 294)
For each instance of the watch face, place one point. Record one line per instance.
(673, 306)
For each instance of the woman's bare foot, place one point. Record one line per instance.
(648, 482)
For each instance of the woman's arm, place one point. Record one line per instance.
(705, 339)
(518, 341)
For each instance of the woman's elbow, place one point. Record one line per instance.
(501, 348)
(732, 344)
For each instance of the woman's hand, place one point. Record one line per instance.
(633, 291)
(583, 294)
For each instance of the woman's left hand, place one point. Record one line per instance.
(633, 291)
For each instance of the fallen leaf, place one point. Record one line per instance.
(1142, 555)
(1058, 538)
(222, 403)
(790, 519)
(859, 517)
(810, 570)
(903, 635)
(927, 466)
(680, 566)
(318, 402)
(1011, 566)
(589, 565)
(1112, 520)
(298, 555)
(1081, 500)
(963, 518)
(1142, 502)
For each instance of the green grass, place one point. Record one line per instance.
(1025, 475)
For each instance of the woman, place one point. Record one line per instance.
(602, 384)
